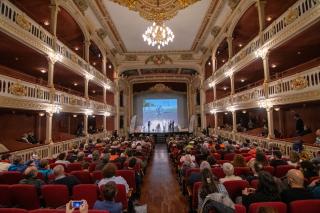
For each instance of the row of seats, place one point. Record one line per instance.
(17, 210)
(308, 206)
(26, 196)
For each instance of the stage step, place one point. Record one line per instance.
(161, 138)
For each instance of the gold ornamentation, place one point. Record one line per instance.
(18, 89)
(233, 3)
(293, 14)
(215, 31)
(160, 88)
(299, 83)
(101, 33)
(186, 56)
(23, 22)
(156, 10)
(81, 4)
(131, 57)
(158, 59)
(74, 58)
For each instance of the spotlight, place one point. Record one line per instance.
(76, 48)
(110, 66)
(240, 45)
(41, 114)
(46, 23)
(74, 115)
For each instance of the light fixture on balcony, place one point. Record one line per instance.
(225, 88)
(46, 23)
(75, 84)
(93, 91)
(94, 63)
(106, 114)
(110, 66)
(93, 116)
(76, 48)
(242, 80)
(213, 111)
(244, 111)
(226, 113)
(43, 71)
(209, 63)
(74, 115)
(41, 114)
(99, 55)
(269, 18)
(16, 58)
(240, 45)
(299, 53)
(223, 60)
(273, 65)
(277, 109)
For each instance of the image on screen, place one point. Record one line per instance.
(159, 112)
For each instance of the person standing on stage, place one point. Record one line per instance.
(172, 125)
(149, 124)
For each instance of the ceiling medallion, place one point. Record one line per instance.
(158, 59)
(157, 11)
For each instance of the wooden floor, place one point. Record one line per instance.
(160, 189)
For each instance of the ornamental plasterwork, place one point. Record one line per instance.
(187, 56)
(23, 22)
(81, 4)
(299, 83)
(233, 3)
(291, 16)
(158, 59)
(18, 89)
(215, 31)
(131, 57)
(102, 33)
(159, 10)
(160, 88)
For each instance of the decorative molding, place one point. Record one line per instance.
(22, 21)
(102, 33)
(187, 56)
(292, 15)
(299, 83)
(215, 31)
(82, 5)
(17, 89)
(233, 3)
(158, 59)
(160, 88)
(131, 57)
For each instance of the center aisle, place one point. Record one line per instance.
(160, 189)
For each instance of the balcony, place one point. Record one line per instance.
(17, 24)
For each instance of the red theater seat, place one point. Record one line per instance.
(12, 210)
(240, 208)
(88, 192)
(229, 156)
(122, 196)
(96, 176)
(308, 206)
(281, 207)
(235, 187)
(242, 171)
(129, 176)
(5, 196)
(281, 171)
(195, 190)
(254, 183)
(25, 196)
(74, 167)
(48, 211)
(269, 169)
(218, 172)
(10, 177)
(83, 176)
(55, 195)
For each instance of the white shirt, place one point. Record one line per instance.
(4, 166)
(116, 179)
(229, 178)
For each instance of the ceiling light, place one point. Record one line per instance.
(93, 116)
(93, 91)
(244, 111)
(43, 70)
(277, 109)
(99, 55)
(223, 60)
(46, 23)
(269, 18)
(158, 35)
(240, 45)
(225, 88)
(75, 84)
(94, 63)
(76, 48)
(226, 113)
(74, 115)
(273, 65)
(242, 80)
(110, 66)
(298, 52)
(16, 58)
(209, 63)
(41, 114)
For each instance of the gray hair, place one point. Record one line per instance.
(228, 169)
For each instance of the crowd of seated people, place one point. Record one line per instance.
(29, 138)
(109, 165)
(229, 173)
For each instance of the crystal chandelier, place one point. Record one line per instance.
(158, 35)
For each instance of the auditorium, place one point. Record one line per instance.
(159, 106)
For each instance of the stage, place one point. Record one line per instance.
(160, 137)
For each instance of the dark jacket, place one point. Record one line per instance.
(258, 197)
(69, 181)
(293, 194)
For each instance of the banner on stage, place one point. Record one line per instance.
(133, 124)
(191, 124)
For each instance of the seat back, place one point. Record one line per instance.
(129, 176)
(229, 156)
(191, 170)
(96, 176)
(218, 172)
(195, 190)
(222, 161)
(269, 169)
(254, 183)
(281, 207)
(242, 171)
(5, 196)
(74, 167)
(83, 176)
(12, 210)
(281, 171)
(122, 196)
(217, 156)
(52, 165)
(309, 206)
(48, 211)
(235, 187)
(240, 208)
(88, 192)
(92, 167)
(25, 196)
(10, 177)
(55, 195)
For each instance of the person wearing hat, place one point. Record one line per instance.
(31, 178)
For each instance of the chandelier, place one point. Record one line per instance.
(158, 35)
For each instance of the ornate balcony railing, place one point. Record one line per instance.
(255, 94)
(296, 18)
(20, 22)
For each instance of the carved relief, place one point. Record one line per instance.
(233, 3)
(23, 22)
(18, 89)
(186, 56)
(101, 33)
(160, 88)
(81, 4)
(158, 59)
(131, 58)
(299, 83)
(293, 14)
(215, 31)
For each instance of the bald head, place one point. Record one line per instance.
(58, 170)
(295, 177)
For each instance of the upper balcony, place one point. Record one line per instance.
(20, 26)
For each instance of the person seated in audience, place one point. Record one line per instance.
(255, 167)
(24, 138)
(62, 159)
(44, 169)
(239, 161)
(317, 141)
(195, 176)
(85, 166)
(4, 162)
(187, 163)
(209, 185)
(109, 174)
(277, 160)
(84, 208)
(314, 187)
(31, 138)
(138, 175)
(267, 191)
(121, 159)
(253, 149)
(102, 162)
(60, 178)
(212, 161)
(80, 157)
(245, 146)
(261, 158)
(114, 155)
(18, 165)
(95, 156)
(296, 189)
(228, 170)
(308, 169)
(109, 192)
(294, 159)
(298, 145)
(316, 160)
(31, 178)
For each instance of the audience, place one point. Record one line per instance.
(4, 162)
(196, 176)
(228, 170)
(44, 169)
(308, 169)
(296, 189)
(60, 178)
(294, 159)
(109, 192)
(18, 164)
(62, 159)
(109, 174)
(239, 161)
(277, 161)
(31, 178)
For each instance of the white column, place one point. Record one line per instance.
(87, 50)
(104, 63)
(265, 60)
(234, 121)
(232, 84)
(270, 122)
(216, 122)
(104, 123)
(214, 93)
(48, 128)
(54, 10)
(214, 62)
(85, 124)
(117, 107)
(260, 4)
(230, 46)
(51, 63)
(104, 95)
(86, 88)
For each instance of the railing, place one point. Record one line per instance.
(284, 146)
(304, 81)
(224, 102)
(255, 94)
(69, 99)
(297, 10)
(11, 87)
(10, 13)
